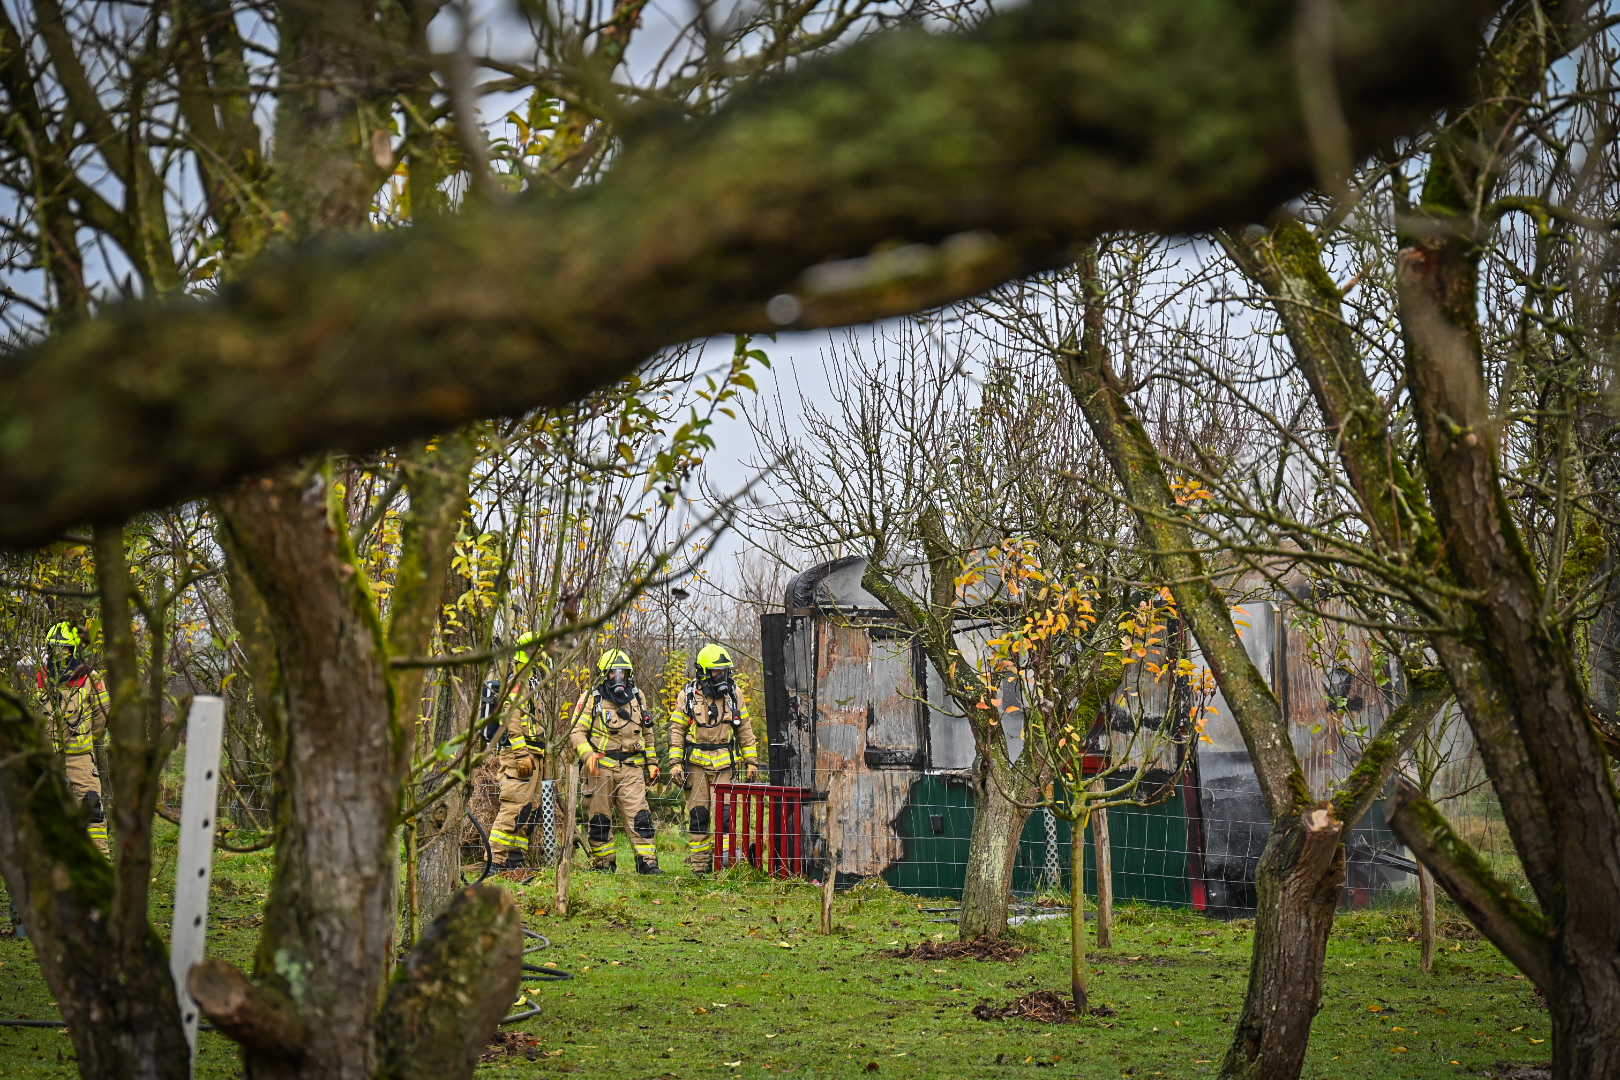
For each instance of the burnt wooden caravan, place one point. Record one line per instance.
(847, 694)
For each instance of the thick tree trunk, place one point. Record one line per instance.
(998, 825)
(1002, 789)
(1581, 984)
(1299, 880)
(107, 970)
(342, 762)
(117, 997)
(329, 922)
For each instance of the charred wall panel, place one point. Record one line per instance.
(950, 736)
(852, 684)
(894, 721)
(798, 732)
(1235, 825)
(773, 647)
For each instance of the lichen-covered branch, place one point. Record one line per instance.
(260, 1018)
(990, 154)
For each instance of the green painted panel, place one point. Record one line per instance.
(1150, 848)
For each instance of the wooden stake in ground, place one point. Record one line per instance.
(1105, 879)
(565, 846)
(830, 878)
(1426, 902)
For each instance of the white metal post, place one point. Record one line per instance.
(205, 731)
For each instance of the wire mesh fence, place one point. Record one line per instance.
(1194, 848)
(1197, 847)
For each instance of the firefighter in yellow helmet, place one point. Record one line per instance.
(709, 734)
(81, 717)
(613, 736)
(522, 743)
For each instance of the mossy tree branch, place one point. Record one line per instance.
(996, 152)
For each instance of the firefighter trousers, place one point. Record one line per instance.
(700, 814)
(85, 783)
(624, 787)
(520, 805)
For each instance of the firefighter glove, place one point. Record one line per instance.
(652, 773)
(753, 772)
(590, 762)
(677, 773)
(525, 767)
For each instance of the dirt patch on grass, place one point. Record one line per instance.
(1042, 1006)
(1507, 1070)
(511, 1044)
(984, 948)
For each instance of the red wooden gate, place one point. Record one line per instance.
(762, 824)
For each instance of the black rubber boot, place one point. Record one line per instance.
(647, 866)
(514, 867)
(603, 868)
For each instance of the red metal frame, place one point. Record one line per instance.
(762, 824)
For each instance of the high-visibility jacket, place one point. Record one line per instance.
(523, 729)
(622, 732)
(710, 732)
(83, 715)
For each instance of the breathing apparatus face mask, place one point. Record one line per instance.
(717, 684)
(619, 686)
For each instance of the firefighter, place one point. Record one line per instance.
(613, 736)
(708, 735)
(522, 742)
(82, 717)
(63, 643)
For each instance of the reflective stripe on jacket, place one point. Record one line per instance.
(523, 730)
(701, 730)
(84, 715)
(614, 730)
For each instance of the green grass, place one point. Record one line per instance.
(728, 976)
